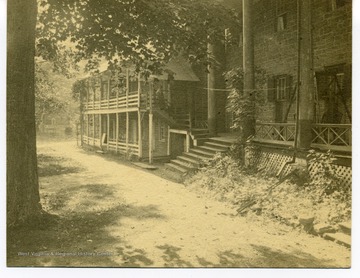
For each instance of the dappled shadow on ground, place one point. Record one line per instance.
(49, 165)
(79, 239)
(87, 195)
(172, 257)
(266, 257)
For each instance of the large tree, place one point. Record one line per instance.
(145, 32)
(23, 201)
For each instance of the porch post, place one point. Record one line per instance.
(151, 126)
(139, 134)
(248, 128)
(139, 118)
(211, 93)
(108, 130)
(168, 141)
(117, 132)
(88, 128)
(306, 86)
(127, 131)
(93, 129)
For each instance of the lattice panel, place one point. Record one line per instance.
(344, 173)
(271, 163)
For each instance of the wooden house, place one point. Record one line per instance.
(148, 119)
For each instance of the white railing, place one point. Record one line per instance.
(123, 101)
(275, 132)
(326, 136)
(332, 136)
(120, 146)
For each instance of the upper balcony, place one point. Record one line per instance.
(110, 91)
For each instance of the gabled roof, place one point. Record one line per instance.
(180, 69)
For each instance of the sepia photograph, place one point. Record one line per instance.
(179, 134)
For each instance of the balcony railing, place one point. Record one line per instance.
(123, 101)
(335, 137)
(279, 133)
(332, 136)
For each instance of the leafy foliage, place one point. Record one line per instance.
(145, 32)
(239, 103)
(78, 89)
(227, 180)
(47, 97)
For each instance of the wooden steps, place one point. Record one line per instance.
(192, 160)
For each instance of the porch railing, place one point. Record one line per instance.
(275, 132)
(332, 136)
(119, 146)
(123, 101)
(326, 136)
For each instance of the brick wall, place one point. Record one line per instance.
(276, 50)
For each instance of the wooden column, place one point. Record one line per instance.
(139, 91)
(127, 87)
(151, 126)
(108, 130)
(88, 128)
(211, 94)
(117, 132)
(100, 128)
(139, 118)
(187, 142)
(306, 86)
(168, 141)
(108, 91)
(248, 128)
(93, 129)
(127, 131)
(139, 134)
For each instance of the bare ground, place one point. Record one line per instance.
(112, 214)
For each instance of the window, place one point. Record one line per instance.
(281, 23)
(281, 18)
(162, 131)
(281, 88)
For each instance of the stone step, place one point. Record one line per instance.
(204, 153)
(194, 162)
(339, 238)
(345, 227)
(186, 165)
(176, 168)
(222, 141)
(217, 145)
(213, 149)
(200, 158)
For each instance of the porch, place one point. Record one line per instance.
(335, 137)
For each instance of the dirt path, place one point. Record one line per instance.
(113, 214)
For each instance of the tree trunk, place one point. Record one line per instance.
(248, 125)
(23, 200)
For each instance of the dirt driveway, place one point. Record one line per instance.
(114, 214)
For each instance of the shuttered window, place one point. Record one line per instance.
(279, 88)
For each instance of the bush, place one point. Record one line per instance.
(226, 179)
